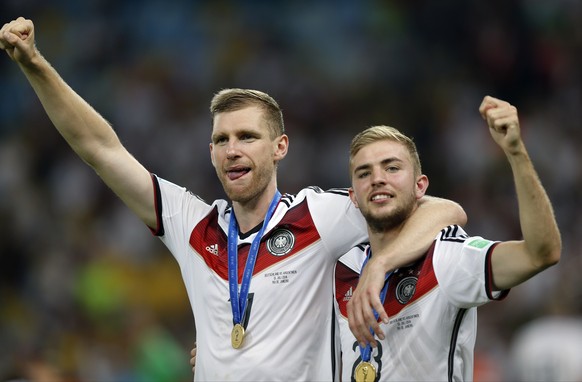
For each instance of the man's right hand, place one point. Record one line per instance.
(17, 39)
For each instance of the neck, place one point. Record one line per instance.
(251, 213)
(379, 240)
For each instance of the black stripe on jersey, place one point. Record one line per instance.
(451, 233)
(453, 345)
(316, 189)
(287, 199)
(333, 344)
(362, 246)
(159, 230)
(489, 277)
(247, 313)
(339, 191)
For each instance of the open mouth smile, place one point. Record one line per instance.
(381, 197)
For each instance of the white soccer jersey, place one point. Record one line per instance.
(432, 310)
(290, 333)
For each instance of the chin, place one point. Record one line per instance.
(386, 221)
(236, 196)
(241, 195)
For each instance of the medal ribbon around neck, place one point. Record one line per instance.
(366, 351)
(238, 302)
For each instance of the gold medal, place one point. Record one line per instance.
(365, 372)
(237, 336)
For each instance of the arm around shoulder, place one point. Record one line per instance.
(420, 229)
(442, 212)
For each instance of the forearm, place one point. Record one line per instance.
(538, 224)
(420, 230)
(87, 132)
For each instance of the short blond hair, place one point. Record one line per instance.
(383, 132)
(235, 99)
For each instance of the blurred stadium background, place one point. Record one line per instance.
(87, 294)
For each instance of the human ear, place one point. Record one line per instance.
(212, 154)
(281, 147)
(353, 197)
(421, 186)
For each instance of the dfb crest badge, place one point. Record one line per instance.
(281, 242)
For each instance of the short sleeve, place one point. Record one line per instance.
(462, 267)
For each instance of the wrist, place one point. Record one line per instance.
(384, 263)
(34, 63)
(517, 155)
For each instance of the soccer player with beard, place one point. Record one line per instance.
(432, 302)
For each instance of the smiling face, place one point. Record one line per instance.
(385, 186)
(244, 154)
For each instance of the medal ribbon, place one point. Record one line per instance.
(238, 302)
(366, 352)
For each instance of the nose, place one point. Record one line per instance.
(232, 150)
(378, 177)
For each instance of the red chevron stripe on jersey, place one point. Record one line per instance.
(297, 221)
(422, 273)
(407, 284)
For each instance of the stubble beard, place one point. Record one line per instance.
(380, 223)
(257, 185)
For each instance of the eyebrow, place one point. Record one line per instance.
(384, 162)
(242, 131)
(215, 137)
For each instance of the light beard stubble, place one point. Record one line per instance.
(258, 186)
(385, 223)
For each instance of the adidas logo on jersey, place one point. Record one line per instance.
(348, 294)
(213, 249)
